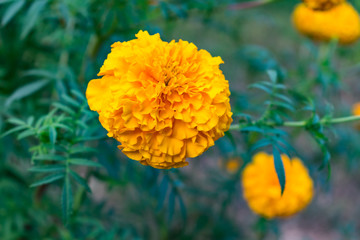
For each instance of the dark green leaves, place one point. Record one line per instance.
(32, 16)
(11, 11)
(48, 179)
(26, 90)
(279, 167)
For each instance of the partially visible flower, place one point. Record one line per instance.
(341, 21)
(262, 189)
(356, 109)
(164, 102)
(322, 4)
(233, 165)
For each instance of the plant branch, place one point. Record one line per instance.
(325, 121)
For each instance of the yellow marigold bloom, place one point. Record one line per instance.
(342, 22)
(356, 109)
(322, 4)
(262, 189)
(232, 165)
(163, 101)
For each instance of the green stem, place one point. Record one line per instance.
(299, 123)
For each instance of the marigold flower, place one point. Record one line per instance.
(322, 4)
(356, 109)
(262, 189)
(232, 165)
(164, 102)
(341, 21)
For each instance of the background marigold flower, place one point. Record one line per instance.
(233, 165)
(341, 21)
(356, 109)
(262, 189)
(164, 102)
(322, 4)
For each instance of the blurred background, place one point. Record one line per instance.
(51, 49)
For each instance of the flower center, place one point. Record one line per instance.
(170, 71)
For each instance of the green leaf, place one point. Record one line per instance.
(52, 135)
(272, 75)
(63, 126)
(66, 199)
(32, 16)
(78, 94)
(171, 206)
(5, 1)
(48, 179)
(279, 167)
(39, 73)
(26, 90)
(26, 133)
(80, 180)
(49, 158)
(70, 101)
(64, 108)
(48, 168)
(16, 121)
(15, 129)
(84, 162)
(81, 149)
(12, 10)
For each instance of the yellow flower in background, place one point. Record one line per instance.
(262, 189)
(322, 4)
(356, 109)
(341, 21)
(233, 165)
(163, 101)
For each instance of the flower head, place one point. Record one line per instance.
(341, 22)
(356, 109)
(233, 165)
(322, 4)
(163, 101)
(262, 189)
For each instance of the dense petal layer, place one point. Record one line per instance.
(164, 102)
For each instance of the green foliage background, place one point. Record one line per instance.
(62, 178)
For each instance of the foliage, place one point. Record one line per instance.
(62, 178)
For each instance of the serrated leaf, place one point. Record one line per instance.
(83, 162)
(66, 200)
(47, 168)
(80, 180)
(49, 158)
(32, 16)
(11, 11)
(279, 167)
(26, 90)
(48, 179)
